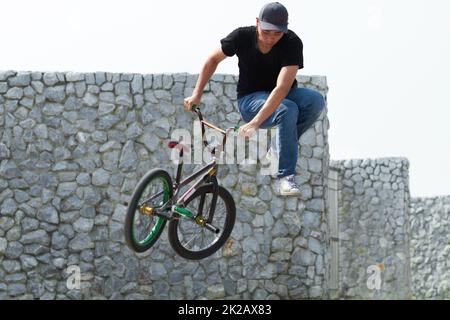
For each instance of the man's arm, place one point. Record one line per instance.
(284, 84)
(206, 73)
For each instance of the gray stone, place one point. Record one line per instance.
(91, 100)
(120, 213)
(128, 159)
(124, 100)
(230, 91)
(315, 165)
(315, 205)
(122, 88)
(3, 245)
(282, 244)
(16, 289)
(48, 214)
(167, 81)
(11, 266)
(6, 223)
(83, 225)
(13, 234)
(107, 122)
(28, 262)
(52, 109)
(100, 177)
(4, 151)
(3, 87)
(66, 189)
(253, 204)
(9, 170)
(74, 76)
(104, 266)
(250, 244)
(308, 138)
(100, 78)
(279, 229)
(116, 232)
(90, 78)
(134, 131)
(59, 241)
(162, 95)
(38, 86)
(36, 237)
(315, 246)
(311, 219)
(4, 75)
(55, 94)
(303, 257)
(315, 292)
(14, 93)
(14, 250)
(157, 271)
(91, 196)
(105, 108)
(137, 84)
(50, 78)
(81, 242)
(107, 98)
(41, 131)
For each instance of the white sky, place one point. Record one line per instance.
(387, 62)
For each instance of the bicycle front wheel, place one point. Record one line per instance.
(142, 227)
(195, 242)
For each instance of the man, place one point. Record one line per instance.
(269, 57)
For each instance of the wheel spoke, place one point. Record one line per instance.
(154, 196)
(199, 237)
(193, 237)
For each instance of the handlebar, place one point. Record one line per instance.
(196, 109)
(204, 123)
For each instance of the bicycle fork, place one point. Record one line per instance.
(199, 219)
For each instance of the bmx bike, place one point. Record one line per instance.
(200, 220)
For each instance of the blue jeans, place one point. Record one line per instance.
(296, 114)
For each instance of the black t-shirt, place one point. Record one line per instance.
(258, 71)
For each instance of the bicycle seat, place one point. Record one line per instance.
(177, 145)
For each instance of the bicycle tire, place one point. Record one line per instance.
(230, 219)
(155, 232)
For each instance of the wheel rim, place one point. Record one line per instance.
(148, 231)
(195, 238)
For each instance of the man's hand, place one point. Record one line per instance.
(248, 130)
(191, 101)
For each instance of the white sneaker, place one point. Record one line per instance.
(288, 187)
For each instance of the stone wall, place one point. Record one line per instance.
(430, 247)
(373, 221)
(73, 147)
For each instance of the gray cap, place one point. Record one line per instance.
(274, 16)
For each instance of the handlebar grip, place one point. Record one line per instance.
(195, 107)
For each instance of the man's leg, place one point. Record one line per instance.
(285, 118)
(310, 105)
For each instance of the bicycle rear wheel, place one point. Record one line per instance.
(142, 227)
(192, 241)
